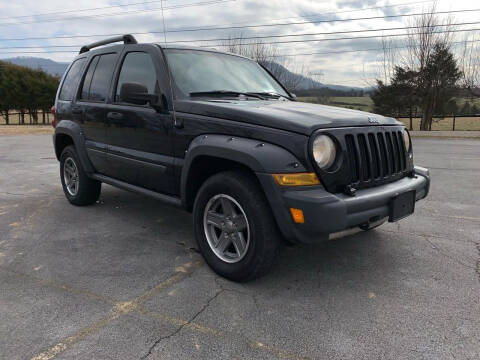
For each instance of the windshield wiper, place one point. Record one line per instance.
(271, 94)
(225, 93)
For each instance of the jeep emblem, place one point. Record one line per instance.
(371, 120)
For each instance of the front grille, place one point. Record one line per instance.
(375, 155)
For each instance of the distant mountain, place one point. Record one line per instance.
(305, 83)
(47, 65)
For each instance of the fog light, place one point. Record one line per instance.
(297, 215)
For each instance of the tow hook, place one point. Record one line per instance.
(350, 190)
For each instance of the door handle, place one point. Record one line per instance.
(114, 116)
(77, 111)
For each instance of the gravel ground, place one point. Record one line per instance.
(123, 280)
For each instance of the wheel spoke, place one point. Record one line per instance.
(240, 221)
(239, 243)
(223, 242)
(70, 169)
(215, 219)
(227, 207)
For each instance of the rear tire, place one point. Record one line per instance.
(234, 201)
(79, 189)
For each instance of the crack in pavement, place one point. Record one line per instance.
(477, 264)
(439, 250)
(186, 323)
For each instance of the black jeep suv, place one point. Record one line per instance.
(218, 135)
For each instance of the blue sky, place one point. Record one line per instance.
(355, 68)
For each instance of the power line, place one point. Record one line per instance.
(87, 17)
(264, 37)
(342, 38)
(206, 27)
(81, 10)
(322, 33)
(283, 24)
(160, 1)
(319, 21)
(454, 43)
(281, 55)
(336, 12)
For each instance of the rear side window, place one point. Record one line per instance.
(97, 80)
(71, 80)
(88, 78)
(137, 68)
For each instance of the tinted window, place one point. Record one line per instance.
(101, 77)
(88, 78)
(137, 68)
(71, 80)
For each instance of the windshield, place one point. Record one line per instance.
(197, 71)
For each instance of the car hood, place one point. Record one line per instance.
(295, 116)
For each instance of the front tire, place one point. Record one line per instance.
(79, 189)
(234, 227)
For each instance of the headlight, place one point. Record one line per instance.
(324, 151)
(406, 139)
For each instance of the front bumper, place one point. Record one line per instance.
(327, 213)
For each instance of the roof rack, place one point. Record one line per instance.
(127, 39)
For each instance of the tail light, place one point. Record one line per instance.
(54, 121)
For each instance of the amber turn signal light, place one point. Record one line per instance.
(297, 215)
(296, 179)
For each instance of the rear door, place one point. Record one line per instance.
(91, 106)
(139, 137)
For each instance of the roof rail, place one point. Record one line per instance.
(127, 39)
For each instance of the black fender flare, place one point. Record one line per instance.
(259, 156)
(73, 130)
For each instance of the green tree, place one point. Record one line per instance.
(25, 90)
(398, 97)
(437, 83)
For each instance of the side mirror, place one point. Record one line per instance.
(137, 94)
(294, 97)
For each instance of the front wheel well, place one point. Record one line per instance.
(204, 167)
(61, 142)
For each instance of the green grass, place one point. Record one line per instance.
(365, 103)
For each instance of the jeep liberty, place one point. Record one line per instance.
(217, 135)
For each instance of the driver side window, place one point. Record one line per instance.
(137, 68)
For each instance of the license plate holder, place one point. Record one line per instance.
(402, 205)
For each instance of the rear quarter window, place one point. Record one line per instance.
(71, 80)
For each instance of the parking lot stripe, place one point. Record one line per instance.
(119, 309)
(135, 305)
(196, 327)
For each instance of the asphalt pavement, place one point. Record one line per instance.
(123, 279)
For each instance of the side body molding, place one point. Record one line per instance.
(259, 156)
(72, 129)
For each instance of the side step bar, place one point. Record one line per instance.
(172, 200)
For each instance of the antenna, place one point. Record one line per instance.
(163, 19)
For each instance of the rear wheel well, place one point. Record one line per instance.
(204, 167)
(61, 142)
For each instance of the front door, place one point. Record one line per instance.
(139, 137)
